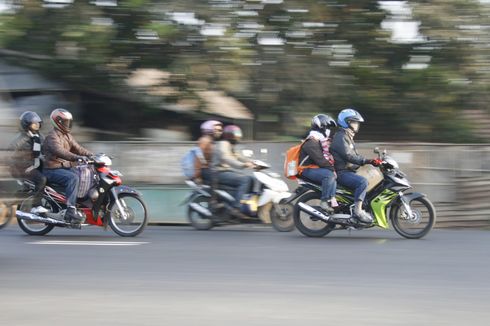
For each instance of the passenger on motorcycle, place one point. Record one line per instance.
(348, 160)
(62, 151)
(315, 154)
(25, 160)
(227, 161)
(211, 132)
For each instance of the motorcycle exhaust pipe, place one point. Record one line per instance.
(200, 209)
(36, 218)
(316, 213)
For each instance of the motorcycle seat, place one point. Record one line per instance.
(305, 181)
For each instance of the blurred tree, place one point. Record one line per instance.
(286, 60)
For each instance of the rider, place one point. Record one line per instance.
(348, 160)
(314, 153)
(25, 162)
(211, 131)
(61, 151)
(227, 162)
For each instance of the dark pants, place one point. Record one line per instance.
(39, 181)
(67, 178)
(355, 182)
(241, 182)
(206, 176)
(325, 178)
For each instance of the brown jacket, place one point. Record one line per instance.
(61, 149)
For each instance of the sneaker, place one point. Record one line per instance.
(325, 206)
(39, 210)
(72, 215)
(364, 216)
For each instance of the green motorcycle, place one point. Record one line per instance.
(412, 215)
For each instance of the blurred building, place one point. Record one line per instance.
(22, 89)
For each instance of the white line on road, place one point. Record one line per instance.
(87, 243)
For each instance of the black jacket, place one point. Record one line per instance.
(313, 149)
(344, 152)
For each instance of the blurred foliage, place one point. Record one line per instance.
(285, 59)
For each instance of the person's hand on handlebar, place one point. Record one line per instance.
(83, 160)
(250, 165)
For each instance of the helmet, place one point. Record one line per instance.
(322, 122)
(348, 115)
(27, 118)
(61, 120)
(232, 133)
(207, 127)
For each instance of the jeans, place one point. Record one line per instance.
(353, 181)
(67, 178)
(325, 178)
(241, 182)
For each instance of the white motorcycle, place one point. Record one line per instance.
(208, 207)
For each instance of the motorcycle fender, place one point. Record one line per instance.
(272, 196)
(413, 195)
(126, 190)
(190, 197)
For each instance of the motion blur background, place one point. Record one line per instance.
(147, 73)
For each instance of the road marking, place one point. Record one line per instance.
(87, 243)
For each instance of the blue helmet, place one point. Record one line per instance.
(348, 115)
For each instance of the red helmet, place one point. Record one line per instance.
(61, 120)
(232, 133)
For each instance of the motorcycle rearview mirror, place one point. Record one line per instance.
(376, 150)
(247, 152)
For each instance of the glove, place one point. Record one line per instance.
(375, 162)
(82, 159)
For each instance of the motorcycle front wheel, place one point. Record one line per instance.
(5, 215)
(134, 218)
(282, 217)
(307, 224)
(417, 225)
(32, 227)
(196, 219)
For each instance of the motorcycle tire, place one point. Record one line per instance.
(282, 217)
(5, 215)
(135, 219)
(34, 228)
(305, 223)
(413, 228)
(197, 220)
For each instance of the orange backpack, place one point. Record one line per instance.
(292, 166)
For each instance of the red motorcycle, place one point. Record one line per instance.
(107, 202)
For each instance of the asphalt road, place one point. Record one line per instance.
(244, 276)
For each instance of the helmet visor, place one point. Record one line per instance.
(65, 124)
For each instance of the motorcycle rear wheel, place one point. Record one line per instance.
(282, 217)
(307, 224)
(31, 227)
(420, 224)
(197, 220)
(135, 219)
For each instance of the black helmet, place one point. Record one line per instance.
(27, 118)
(322, 122)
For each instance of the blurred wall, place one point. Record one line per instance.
(434, 169)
